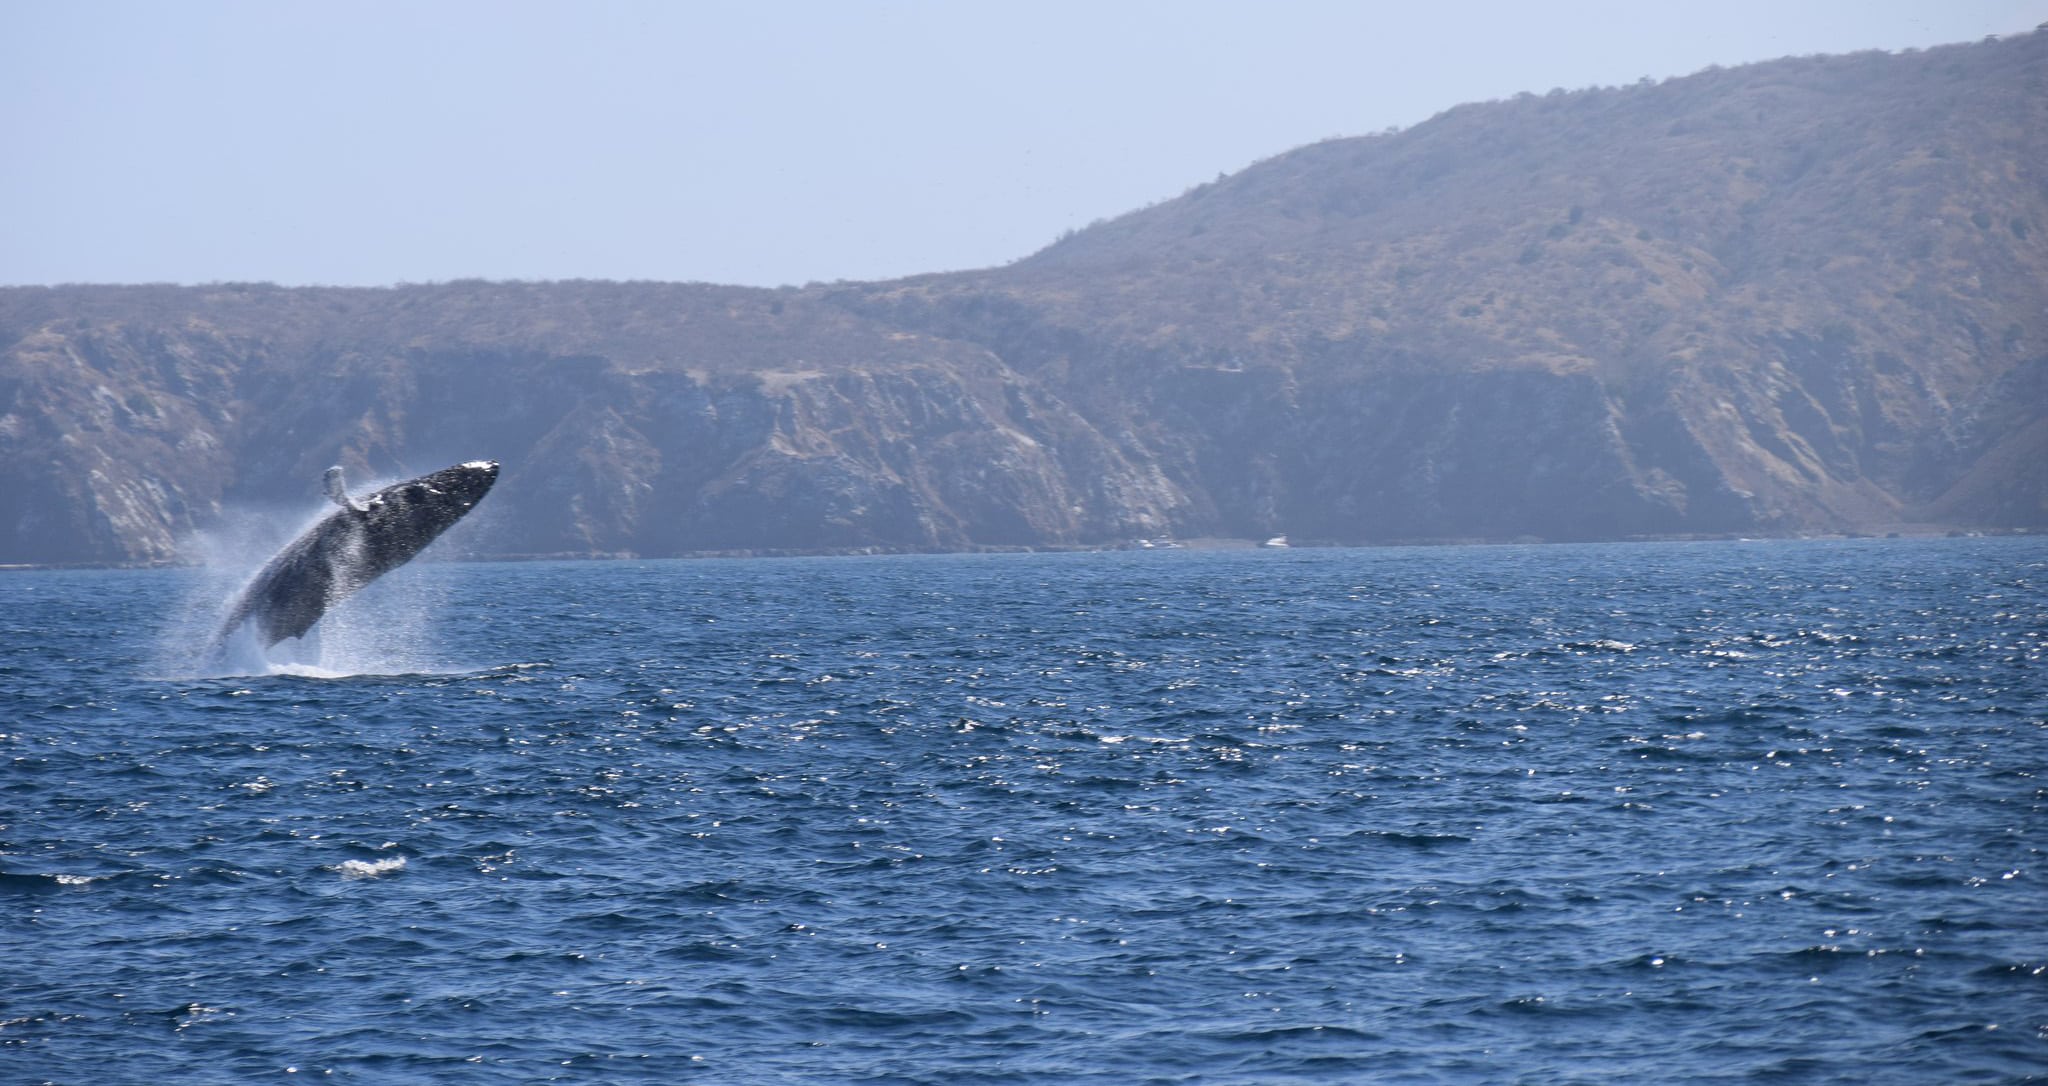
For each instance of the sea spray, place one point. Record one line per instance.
(221, 561)
(385, 628)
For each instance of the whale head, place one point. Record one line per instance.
(465, 483)
(417, 510)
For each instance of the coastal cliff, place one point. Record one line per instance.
(1795, 297)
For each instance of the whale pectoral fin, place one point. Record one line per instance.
(337, 490)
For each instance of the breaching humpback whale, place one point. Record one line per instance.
(357, 543)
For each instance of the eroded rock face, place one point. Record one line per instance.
(1802, 296)
(110, 445)
(934, 449)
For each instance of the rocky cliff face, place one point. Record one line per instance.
(1800, 296)
(843, 436)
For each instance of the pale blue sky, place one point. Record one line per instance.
(768, 142)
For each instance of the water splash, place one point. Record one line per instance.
(387, 628)
(368, 869)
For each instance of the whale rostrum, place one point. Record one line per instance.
(362, 540)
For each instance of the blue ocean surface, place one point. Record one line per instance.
(1678, 812)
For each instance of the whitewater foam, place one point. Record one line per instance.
(368, 869)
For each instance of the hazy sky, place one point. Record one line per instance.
(765, 142)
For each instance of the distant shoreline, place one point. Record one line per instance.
(1200, 543)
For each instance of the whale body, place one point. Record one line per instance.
(359, 542)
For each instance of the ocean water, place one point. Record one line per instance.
(1708, 812)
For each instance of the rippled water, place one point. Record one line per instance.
(1670, 812)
